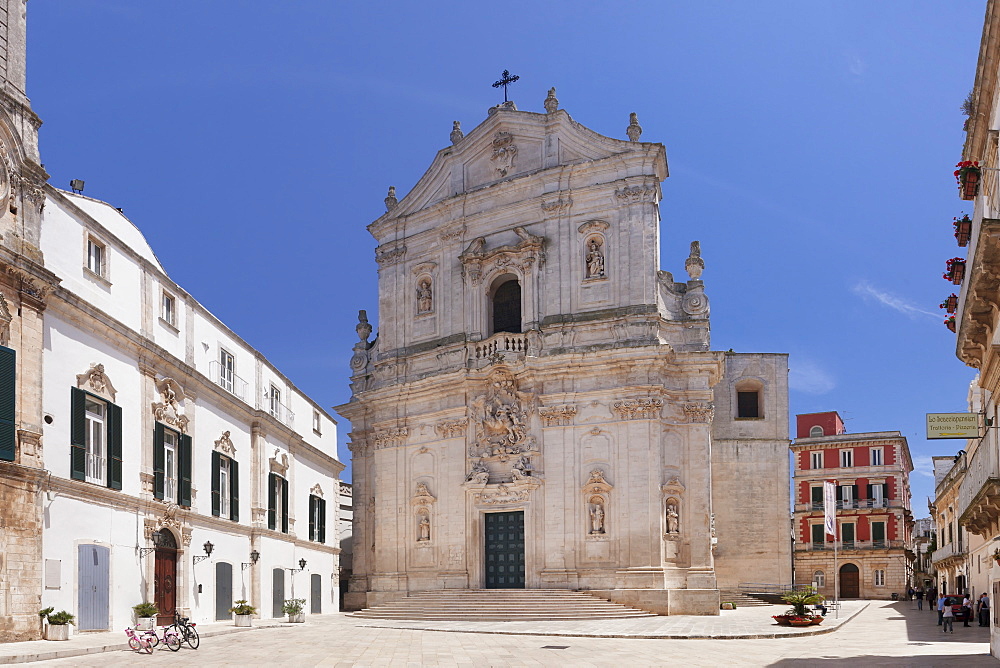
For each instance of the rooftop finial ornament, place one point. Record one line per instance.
(456, 132)
(506, 78)
(694, 264)
(551, 103)
(390, 199)
(634, 130)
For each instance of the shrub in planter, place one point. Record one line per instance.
(58, 623)
(294, 608)
(145, 615)
(244, 612)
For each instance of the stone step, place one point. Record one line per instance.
(500, 605)
(740, 598)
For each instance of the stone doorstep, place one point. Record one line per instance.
(64, 648)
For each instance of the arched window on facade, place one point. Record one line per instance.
(819, 578)
(506, 306)
(816, 431)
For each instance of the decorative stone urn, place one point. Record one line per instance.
(243, 620)
(144, 623)
(57, 631)
(297, 619)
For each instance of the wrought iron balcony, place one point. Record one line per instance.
(279, 410)
(851, 545)
(228, 380)
(949, 551)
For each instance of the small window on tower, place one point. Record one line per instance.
(816, 431)
(748, 404)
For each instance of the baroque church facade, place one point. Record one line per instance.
(540, 407)
(147, 451)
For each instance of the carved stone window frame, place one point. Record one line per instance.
(102, 273)
(97, 382)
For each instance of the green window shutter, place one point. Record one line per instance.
(114, 446)
(158, 461)
(322, 520)
(817, 494)
(184, 482)
(312, 515)
(868, 492)
(272, 482)
(78, 434)
(8, 404)
(216, 491)
(234, 490)
(284, 505)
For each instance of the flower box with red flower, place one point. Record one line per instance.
(949, 322)
(967, 175)
(950, 305)
(955, 271)
(963, 230)
(800, 621)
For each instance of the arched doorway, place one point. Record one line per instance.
(507, 306)
(165, 576)
(850, 581)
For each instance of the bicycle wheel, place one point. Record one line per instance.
(151, 636)
(134, 644)
(191, 636)
(147, 646)
(172, 641)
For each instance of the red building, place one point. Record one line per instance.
(871, 472)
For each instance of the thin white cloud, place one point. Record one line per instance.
(923, 465)
(868, 292)
(855, 64)
(808, 377)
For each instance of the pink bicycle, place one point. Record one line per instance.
(170, 637)
(138, 643)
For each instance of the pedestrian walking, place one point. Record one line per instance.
(949, 620)
(984, 609)
(920, 599)
(940, 608)
(909, 593)
(966, 610)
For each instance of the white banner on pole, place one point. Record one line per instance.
(830, 508)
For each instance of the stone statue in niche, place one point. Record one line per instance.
(424, 528)
(425, 298)
(673, 519)
(596, 515)
(595, 259)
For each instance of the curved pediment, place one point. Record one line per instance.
(507, 145)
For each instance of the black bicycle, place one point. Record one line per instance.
(187, 631)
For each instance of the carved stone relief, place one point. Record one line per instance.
(593, 226)
(390, 438)
(502, 494)
(595, 257)
(500, 416)
(390, 255)
(5, 320)
(451, 428)
(557, 416)
(477, 261)
(636, 194)
(96, 381)
(699, 412)
(279, 463)
(504, 152)
(225, 445)
(456, 132)
(169, 410)
(316, 490)
(645, 408)
(557, 206)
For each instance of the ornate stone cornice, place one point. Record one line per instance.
(593, 226)
(557, 416)
(316, 490)
(477, 260)
(557, 205)
(422, 496)
(390, 256)
(699, 412)
(451, 428)
(390, 438)
(597, 484)
(502, 494)
(645, 408)
(225, 445)
(636, 194)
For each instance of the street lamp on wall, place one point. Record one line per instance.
(208, 552)
(254, 556)
(302, 564)
(157, 540)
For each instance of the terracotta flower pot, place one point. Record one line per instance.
(970, 184)
(817, 620)
(800, 622)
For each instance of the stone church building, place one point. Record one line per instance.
(541, 407)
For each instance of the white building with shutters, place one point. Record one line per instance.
(164, 432)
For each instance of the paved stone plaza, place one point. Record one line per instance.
(881, 634)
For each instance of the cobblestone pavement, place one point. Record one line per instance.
(883, 634)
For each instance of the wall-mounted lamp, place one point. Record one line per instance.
(76, 185)
(254, 556)
(302, 564)
(157, 539)
(208, 552)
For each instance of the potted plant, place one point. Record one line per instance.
(949, 322)
(294, 608)
(799, 601)
(967, 174)
(145, 615)
(244, 612)
(58, 623)
(950, 305)
(955, 271)
(963, 229)
(996, 556)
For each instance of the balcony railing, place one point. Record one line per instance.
(503, 343)
(97, 469)
(948, 551)
(855, 504)
(228, 380)
(279, 410)
(851, 545)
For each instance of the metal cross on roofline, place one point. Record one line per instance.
(506, 78)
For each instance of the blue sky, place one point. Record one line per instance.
(811, 149)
